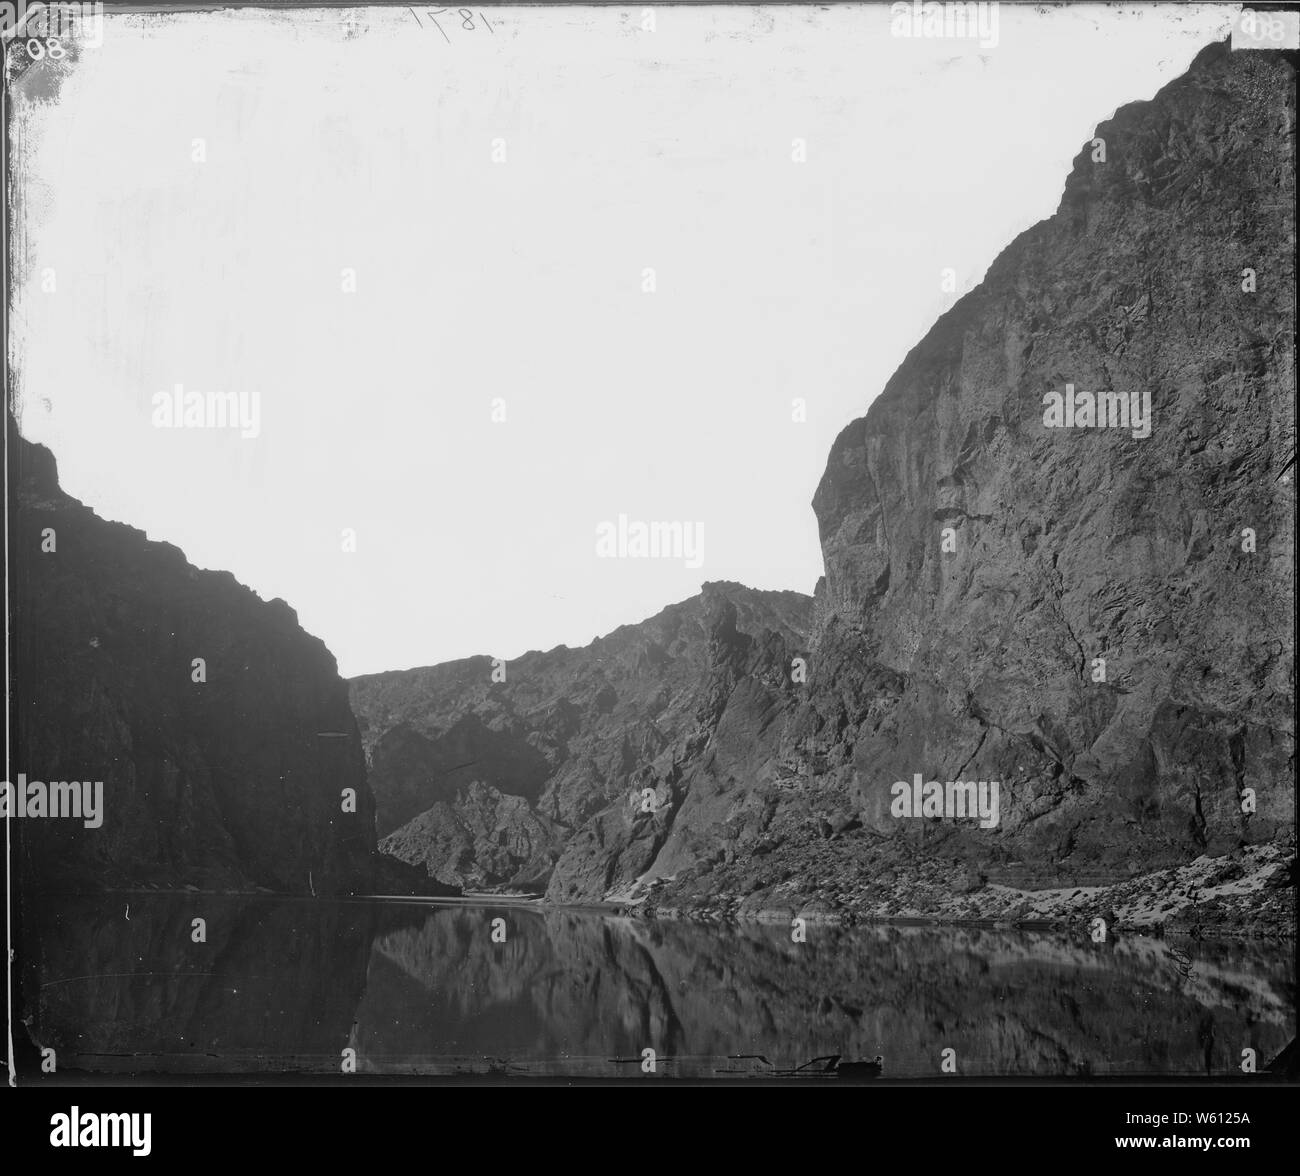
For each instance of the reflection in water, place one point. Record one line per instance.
(119, 983)
(419, 988)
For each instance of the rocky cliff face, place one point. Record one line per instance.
(570, 772)
(1166, 277)
(236, 781)
(1098, 619)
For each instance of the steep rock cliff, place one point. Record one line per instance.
(1166, 276)
(1096, 619)
(577, 756)
(233, 782)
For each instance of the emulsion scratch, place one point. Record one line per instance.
(125, 976)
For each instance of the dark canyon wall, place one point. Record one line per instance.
(234, 782)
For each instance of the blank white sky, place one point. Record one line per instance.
(364, 140)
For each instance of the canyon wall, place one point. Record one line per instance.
(578, 756)
(1166, 277)
(233, 782)
(1098, 619)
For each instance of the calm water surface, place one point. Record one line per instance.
(120, 985)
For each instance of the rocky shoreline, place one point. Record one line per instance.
(1247, 894)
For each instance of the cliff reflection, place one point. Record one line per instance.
(119, 984)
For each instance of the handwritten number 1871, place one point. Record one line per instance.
(466, 20)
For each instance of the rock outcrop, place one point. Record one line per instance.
(236, 781)
(578, 758)
(1098, 619)
(480, 839)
